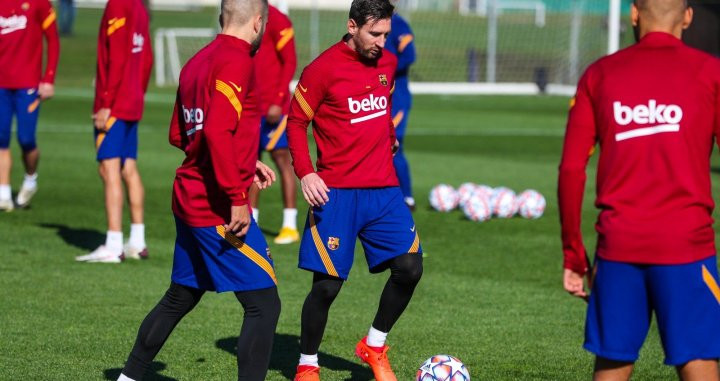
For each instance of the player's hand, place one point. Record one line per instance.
(100, 119)
(46, 90)
(314, 189)
(274, 114)
(396, 147)
(239, 220)
(574, 283)
(264, 175)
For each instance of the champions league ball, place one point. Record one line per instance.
(465, 191)
(443, 198)
(442, 368)
(477, 208)
(484, 190)
(531, 204)
(503, 202)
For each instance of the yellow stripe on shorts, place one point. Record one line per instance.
(329, 266)
(711, 283)
(415, 248)
(247, 251)
(277, 134)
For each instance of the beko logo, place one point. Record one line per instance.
(661, 117)
(371, 103)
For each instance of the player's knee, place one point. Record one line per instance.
(180, 299)
(407, 269)
(129, 171)
(326, 290)
(261, 304)
(27, 142)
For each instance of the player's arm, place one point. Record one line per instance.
(580, 138)
(393, 135)
(309, 94)
(405, 44)
(117, 31)
(50, 32)
(147, 63)
(176, 135)
(283, 36)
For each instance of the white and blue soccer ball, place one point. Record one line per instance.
(443, 198)
(442, 368)
(485, 190)
(477, 208)
(465, 191)
(531, 204)
(504, 202)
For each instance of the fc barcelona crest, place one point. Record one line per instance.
(333, 243)
(383, 79)
(25, 6)
(267, 250)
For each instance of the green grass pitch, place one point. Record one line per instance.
(491, 293)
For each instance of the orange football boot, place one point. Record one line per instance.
(378, 361)
(307, 373)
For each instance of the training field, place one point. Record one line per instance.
(491, 293)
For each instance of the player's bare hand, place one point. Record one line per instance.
(274, 114)
(239, 220)
(101, 118)
(314, 189)
(46, 90)
(574, 283)
(395, 147)
(264, 175)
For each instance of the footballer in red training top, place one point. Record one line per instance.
(654, 111)
(23, 84)
(354, 191)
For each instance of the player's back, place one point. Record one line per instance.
(655, 106)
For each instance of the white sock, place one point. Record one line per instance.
(376, 338)
(114, 241)
(30, 181)
(410, 201)
(137, 235)
(290, 218)
(256, 214)
(124, 378)
(5, 192)
(310, 360)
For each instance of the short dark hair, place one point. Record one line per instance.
(363, 11)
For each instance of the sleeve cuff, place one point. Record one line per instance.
(578, 265)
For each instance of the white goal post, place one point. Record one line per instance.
(168, 60)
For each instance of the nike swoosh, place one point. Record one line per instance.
(237, 88)
(304, 90)
(412, 229)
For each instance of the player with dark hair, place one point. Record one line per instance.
(401, 43)
(123, 72)
(218, 246)
(654, 111)
(354, 193)
(23, 85)
(276, 61)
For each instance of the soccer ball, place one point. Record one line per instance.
(484, 190)
(465, 191)
(532, 204)
(503, 202)
(477, 208)
(443, 198)
(442, 368)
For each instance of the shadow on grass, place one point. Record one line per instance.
(151, 375)
(269, 232)
(85, 239)
(285, 356)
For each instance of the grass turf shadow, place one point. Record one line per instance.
(151, 375)
(85, 239)
(285, 357)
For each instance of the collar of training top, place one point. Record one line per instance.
(660, 39)
(226, 38)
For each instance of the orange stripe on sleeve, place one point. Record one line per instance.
(49, 20)
(115, 24)
(303, 103)
(405, 40)
(226, 90)
(287, 35)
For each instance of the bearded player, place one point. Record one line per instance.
(654, 110)
(218, 247)
(354, 192)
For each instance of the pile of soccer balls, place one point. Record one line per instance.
(481, 202)
(442, 368)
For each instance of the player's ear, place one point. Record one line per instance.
(634, 15)
(258, 24)
(352, 27)
(687, 18)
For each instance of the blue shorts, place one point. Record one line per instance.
(119, 141)
(685, 299)
(207, 259)
(25, 105)
(379, 217)
(273, 136)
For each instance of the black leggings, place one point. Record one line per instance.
(405, 273)
(262, 309)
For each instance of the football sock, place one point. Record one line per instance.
(114, 241)
(157, 326)
(410, 201)
(309, 360)
(137, 235)
(315, 311)
(405, 273)
(30, 181)
(5, 192)
(376, 338)
(254, 346)
(124, 378)
(256, 214)
(290, 218)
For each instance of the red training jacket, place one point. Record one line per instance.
(654, 110)
(277, 60)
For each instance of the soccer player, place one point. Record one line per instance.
(354, 192)
(401, 43)
(654, 111)
(277, 62)
(23, 24)
(218, 247)
(123, 72)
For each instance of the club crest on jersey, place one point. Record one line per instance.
(25, 6)
(267, 250)
(383, 79)
(333, 243)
